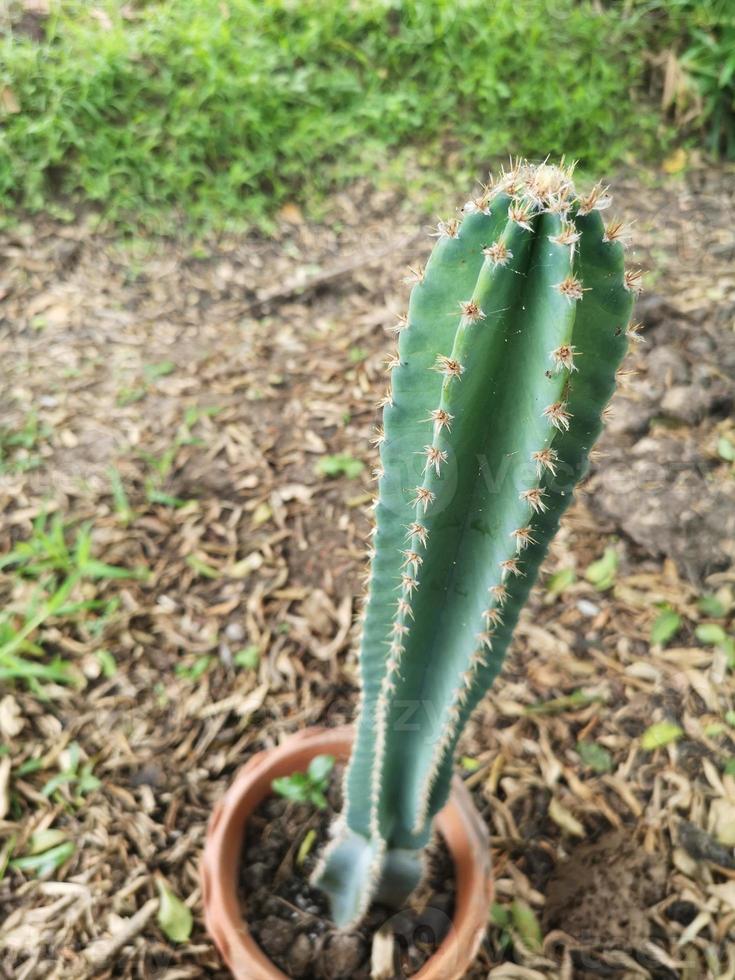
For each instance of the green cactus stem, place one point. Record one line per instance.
(505, 363)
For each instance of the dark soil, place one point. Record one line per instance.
(601, 896)
(290, 919)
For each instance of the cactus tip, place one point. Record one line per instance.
(447, 229)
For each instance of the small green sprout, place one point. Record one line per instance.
(595, 757)
(665, 627)
(174, 917)
(341, 464)
(46, 852)
(307, 787)
(711, 605)
(247, 658)
(78, 778)
(192, 672)
(660, 734)
(726, 449)
(560, 581)
(601, 573)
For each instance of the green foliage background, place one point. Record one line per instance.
(700, 36)
(219, 110)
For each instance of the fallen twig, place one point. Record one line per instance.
(102, 951)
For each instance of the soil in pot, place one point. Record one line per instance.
(290, 919)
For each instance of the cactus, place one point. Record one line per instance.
(505, 363)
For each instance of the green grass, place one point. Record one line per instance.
(51, 574)
(19, 447)
(213, 113)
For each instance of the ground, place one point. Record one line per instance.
(179, 400)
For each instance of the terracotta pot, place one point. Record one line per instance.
(458, 823)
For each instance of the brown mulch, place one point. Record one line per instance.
(214, 400)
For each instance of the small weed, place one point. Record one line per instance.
(107, 662)
(357, 355)
(18, 447)
(202, 568)
(193, 671)
(665, 627)
(660, 734)
(75, 776)
(195, 413)
(248, 658)
(152, 372)
(595, 757)
(500, 918)
(305, 847)
(526, 924)
(559, 582)
(129, 396)
(124, 511)
(174, 916)
(54, 561)
(567, 702)
(307, 787)
(712, 605)
(712, 634)
(726, 449)
(47, 861)
(601, 573)
(50, 550)
(469, 764)
(342, 464)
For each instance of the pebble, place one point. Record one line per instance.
(587, 608)
(234, 632)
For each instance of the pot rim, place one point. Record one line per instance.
(459, 823)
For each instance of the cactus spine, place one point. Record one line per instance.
(505, 363)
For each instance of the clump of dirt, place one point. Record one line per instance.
(600, 896)
(290, 919)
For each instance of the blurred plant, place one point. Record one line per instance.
(695, 41)
(341, 464)
(75, 775)
(47, 572)
(46, 851)
(307, 787)
(665, 627)
(17, 446)
(174, 916)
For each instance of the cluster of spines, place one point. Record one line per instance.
(533, 190)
